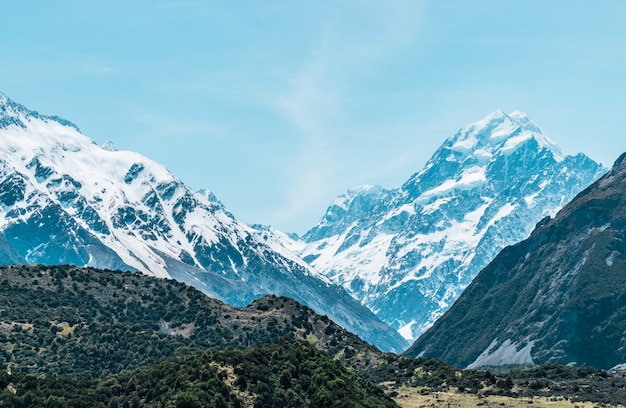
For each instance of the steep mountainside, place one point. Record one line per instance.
(558, 296)
(408, 253)
(65, 320)
(63, 199)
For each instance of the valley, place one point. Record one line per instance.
(501, 261)
(85, 337)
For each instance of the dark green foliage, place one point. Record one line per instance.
(295, 374)
(93, 323)
(57, 321)
(288, 374)
(434, 374)
(575, 383)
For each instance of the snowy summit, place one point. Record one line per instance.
(66, 200)
(407, 253)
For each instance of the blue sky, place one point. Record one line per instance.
(279, 106)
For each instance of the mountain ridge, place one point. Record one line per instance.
(9, 109)
(407, 253)
(64, 199)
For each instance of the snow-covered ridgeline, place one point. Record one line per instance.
(64, 199)
(407, 253)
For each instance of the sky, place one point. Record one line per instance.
(279, 106)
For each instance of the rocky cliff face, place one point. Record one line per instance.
(408, 253)
(66, 200)
(558, 296)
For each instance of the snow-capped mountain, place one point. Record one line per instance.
(408, 253)
(559, 296)
(65, 199)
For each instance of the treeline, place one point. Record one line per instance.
(289, 373)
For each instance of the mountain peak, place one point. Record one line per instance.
(10, 108)
(407, 253)
(345, 200)
(13, 113)
(65, 200)
(500, 132)
(519, 115)
(109, 146)
(551, 298)
(490, 142)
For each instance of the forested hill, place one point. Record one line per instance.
(90, 323)
(290, 373)
(75, 337)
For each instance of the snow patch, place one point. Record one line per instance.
(530, 200)
(465, 146)
(471, 178)
(619, 367)
(434, 206)
(483, 156)
(406, 208)
(513, 143)
(356, 263)
(506, 354)
(506, 210)
(406, 331)
(610, 258)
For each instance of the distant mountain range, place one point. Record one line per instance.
(66, 200)
(408, 253)
(383, 263)
(557, 297)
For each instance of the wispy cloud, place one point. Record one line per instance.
(318, 97)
